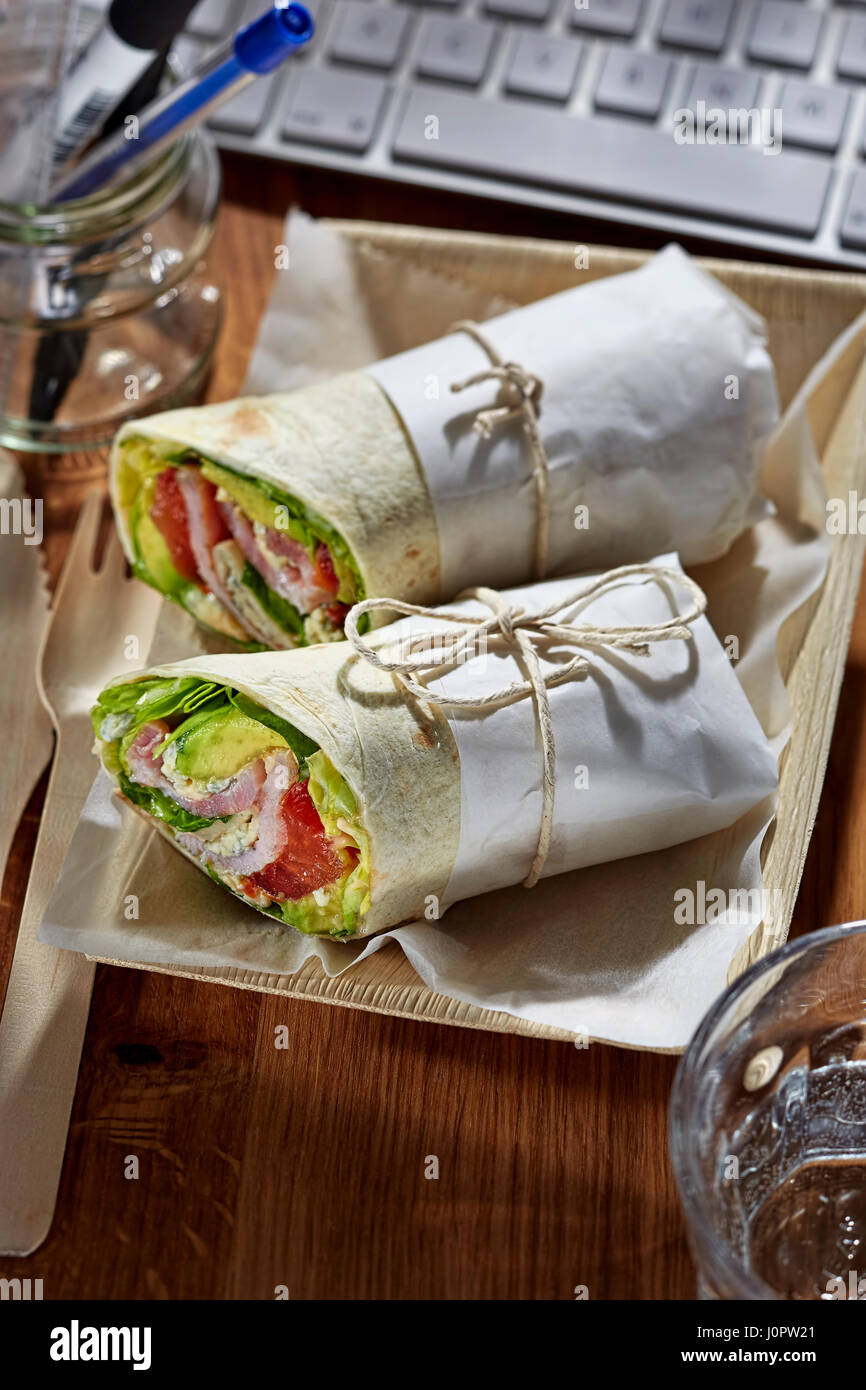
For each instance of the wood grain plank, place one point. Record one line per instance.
(529, 1200)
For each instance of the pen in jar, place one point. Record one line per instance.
(255, 50)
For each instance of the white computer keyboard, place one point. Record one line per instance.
(572, 105)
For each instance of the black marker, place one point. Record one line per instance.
(134, 33)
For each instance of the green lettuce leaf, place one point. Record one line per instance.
(161, 697)
(314, 918)
(157, 697)
(284, 614)
(156, 803)
(334, 800)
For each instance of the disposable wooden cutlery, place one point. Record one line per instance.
(48, 996)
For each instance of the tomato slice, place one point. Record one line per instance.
(168, 512)
(308, 861)
(337, 613)
(325, 571)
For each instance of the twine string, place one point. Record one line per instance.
(528, 635)
(522, 391)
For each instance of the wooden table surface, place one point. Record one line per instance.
(305, 1167)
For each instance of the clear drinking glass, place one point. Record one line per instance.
(768, 1127)
(107, 308)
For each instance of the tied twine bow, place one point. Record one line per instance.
(526, 634)
(523, 402)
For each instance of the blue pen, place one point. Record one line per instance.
(257, 49)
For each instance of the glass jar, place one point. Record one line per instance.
(107, 310)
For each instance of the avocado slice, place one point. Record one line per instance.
(257, 505)
(150, 547)
(139, 459)
(212, 746)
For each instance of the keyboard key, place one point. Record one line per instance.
(213, 19)
(851, 59)
(728, 88)
(632, 82)
(519, 9)
(813, 116)
(619, 17)
(701, 24)
(615, 160)
(368, 33)
(244, 113)
(543, 67)
(853, 230)
(457, 50)
(785, 34)
(327, 107)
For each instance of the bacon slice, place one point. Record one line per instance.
(192, 523)
(272, 832)
(304, 583)
(206, 529)
(146, 768)
(291, 856)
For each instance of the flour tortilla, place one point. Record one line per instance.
(337, 446)
(398, 756)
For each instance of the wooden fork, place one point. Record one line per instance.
(48, 995)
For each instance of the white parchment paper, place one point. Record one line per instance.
(658, 399)
(651, 749)
(598, 951)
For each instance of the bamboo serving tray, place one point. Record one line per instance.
(805, 312)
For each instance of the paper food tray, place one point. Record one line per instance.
(805, 312)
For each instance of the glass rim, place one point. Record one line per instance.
(716, 1256)
(74, 218)
(78, 214)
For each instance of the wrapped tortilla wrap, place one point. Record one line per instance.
(268, 518)
(321, 791)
